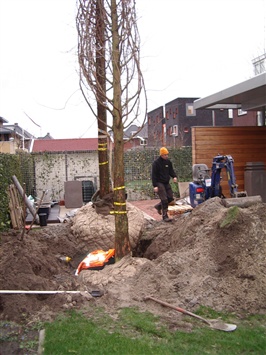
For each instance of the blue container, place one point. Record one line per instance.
(196, 194)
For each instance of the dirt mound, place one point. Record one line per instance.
(216, 257)
(213, 256)
(33, 264)
(97, 231)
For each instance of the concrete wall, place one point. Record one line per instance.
(52, 170)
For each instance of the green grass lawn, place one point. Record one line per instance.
(139, 333)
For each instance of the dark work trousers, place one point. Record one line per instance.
(165, 193)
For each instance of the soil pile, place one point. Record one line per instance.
(213, 256)
(97, 231)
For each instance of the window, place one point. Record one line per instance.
(190, 111)
(174, 130)
(241, 112)
(143, 142)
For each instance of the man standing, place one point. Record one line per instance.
(162, 170)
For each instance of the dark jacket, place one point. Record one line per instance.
(162, 170)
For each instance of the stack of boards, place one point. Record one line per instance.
(179, 209)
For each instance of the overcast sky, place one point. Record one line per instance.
(189, 48)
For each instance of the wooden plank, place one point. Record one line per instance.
(13, 205)
(242, 129)
(19, 208)
(12, 212)
(16, 211)
(231, 142)
(234, 140)
(238, 135)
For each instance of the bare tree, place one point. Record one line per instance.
(91, 51)
(109, 60)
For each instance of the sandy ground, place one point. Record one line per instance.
(207, 257)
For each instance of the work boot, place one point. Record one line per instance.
(158, 208)
(166, 218)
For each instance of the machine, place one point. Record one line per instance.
(205, 186)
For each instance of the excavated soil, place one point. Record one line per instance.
(213, 256)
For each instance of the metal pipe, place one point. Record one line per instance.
(25, 199)
(38, 292)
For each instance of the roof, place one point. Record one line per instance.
(63, 145)
(16, 129)
(131, 130)
(3, 120)
(250, 95)
(47, 136)
(186, 99)
(144, 131)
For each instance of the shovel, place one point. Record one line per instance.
(213, 323)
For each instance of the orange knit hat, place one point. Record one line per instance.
(163, 151)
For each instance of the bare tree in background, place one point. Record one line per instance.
(109, 62)
(91, 51)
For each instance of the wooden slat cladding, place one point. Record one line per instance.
(244, 144)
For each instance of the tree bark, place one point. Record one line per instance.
(242, 202)
(109, 59)
(101, 95)
(122, 245)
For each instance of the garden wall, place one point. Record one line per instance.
(52, 170)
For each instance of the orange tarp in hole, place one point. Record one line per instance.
(96, 260)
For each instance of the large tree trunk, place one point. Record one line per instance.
(122, 246)
(242, 202)
(109, 61)
(101, 98)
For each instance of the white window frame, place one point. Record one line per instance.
(174, 130)
(240, 112)
(143, 141)
(190, 111)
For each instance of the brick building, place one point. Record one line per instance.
(171, 126)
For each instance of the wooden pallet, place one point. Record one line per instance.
(15, 208)
(176, 210)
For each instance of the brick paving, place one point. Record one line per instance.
(147, 206)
